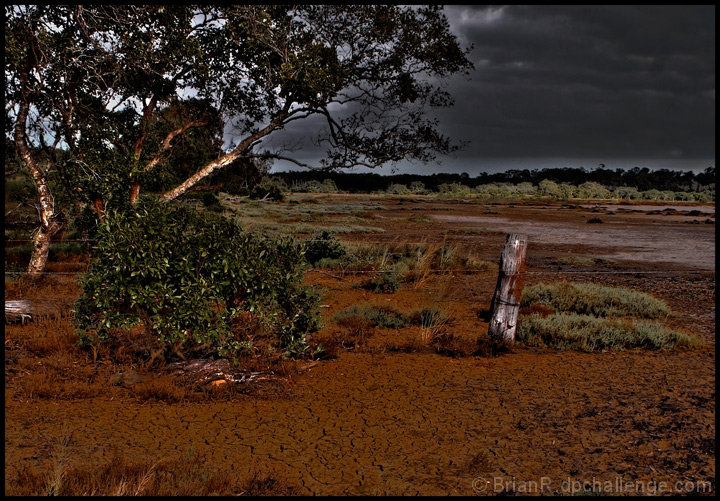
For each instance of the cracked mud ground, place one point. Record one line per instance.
(384, 421)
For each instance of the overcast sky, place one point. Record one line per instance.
(571, 86)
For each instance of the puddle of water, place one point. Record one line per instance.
(644, 208)
(650, 242)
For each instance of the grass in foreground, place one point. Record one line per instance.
(571, 331)
(190, 474)
(590, 317)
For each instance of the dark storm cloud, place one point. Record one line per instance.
(593, 83)
(607, 81)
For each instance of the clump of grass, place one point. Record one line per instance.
(572, 331)
(431, 320)
(379, 315)
(589, 317)
(596, 300)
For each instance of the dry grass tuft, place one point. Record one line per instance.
(188, 475)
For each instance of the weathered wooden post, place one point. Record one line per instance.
(508, 291)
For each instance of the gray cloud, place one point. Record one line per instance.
(616, 81)
(583, 82)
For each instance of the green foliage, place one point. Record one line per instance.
(418, 187)
(397, 189)
(571, 331)
(597, 300)
(626, 192)
(210, 199)
(186, 275)
(268, 189)
(314, 186)
(550, 188)
(324, 246)
(19, 189)
(454, 190)
(590, 317)
(387, 280)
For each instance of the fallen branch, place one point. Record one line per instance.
(25, 310)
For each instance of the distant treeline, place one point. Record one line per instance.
(641, 178)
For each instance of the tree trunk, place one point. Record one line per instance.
(50, 221)
(41, 251)
(508, 291)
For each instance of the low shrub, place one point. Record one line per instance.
(268, 189)
(323, 246)
(386, 280)
(571, 331)
(379, 315)
(597, 300)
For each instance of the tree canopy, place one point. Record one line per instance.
(120, 99)
(136, 82)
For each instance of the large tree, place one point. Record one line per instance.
(120, 89)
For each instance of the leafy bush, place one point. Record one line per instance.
(588, 333)
(597, 300)
(314, 186)
(397, 189)
(270, 189)
(591, 189)
(386, 280)
(626, 192)
(209, 199)
(418, 187)
(455, 190)
(186, 275)
(324, 246)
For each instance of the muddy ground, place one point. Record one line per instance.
(394, 417)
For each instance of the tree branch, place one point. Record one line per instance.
(168, 139)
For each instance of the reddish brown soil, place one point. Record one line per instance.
(392, 416)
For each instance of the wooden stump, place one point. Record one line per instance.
(508, 291)
(25, 310)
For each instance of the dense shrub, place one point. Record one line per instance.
(269, 189)
(550, 188)
(455, 190)
(314, 186)
(186, 275)
(397, 189)
(324, 246)
(626, 192)
(591, 189)
(210, 199)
